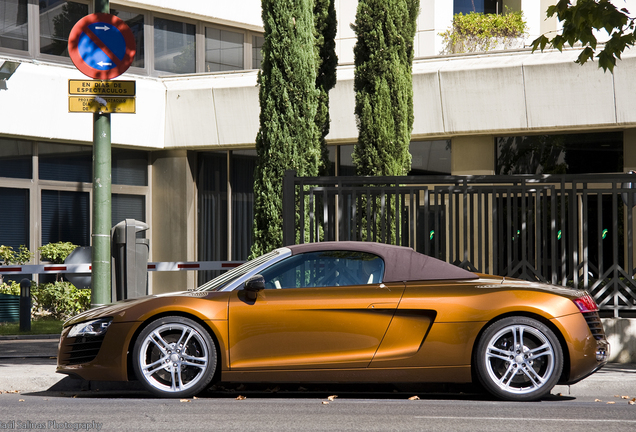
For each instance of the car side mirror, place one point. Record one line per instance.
(253, 285)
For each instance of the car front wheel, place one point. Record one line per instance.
(174, 357)
(519, 358)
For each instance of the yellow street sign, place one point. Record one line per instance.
(97, 87)
(94, 104)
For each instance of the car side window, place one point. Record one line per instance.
(323, 269)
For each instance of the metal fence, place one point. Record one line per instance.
(571, 230)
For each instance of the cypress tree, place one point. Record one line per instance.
(326, 62)
(288, 136)
(383, 53)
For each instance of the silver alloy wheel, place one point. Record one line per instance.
(174, 357)
(519, 359)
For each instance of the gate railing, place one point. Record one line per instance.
(571, 230)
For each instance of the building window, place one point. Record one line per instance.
(129, 167)
(14, 29)
(62, 162)
(128, 207)
(212, 210)
(175, 46)
(174, 40)
(65, 217)
(54, 205)
(560, 154)
(135, 21)
(257, 51)
(14, 219)
(345, 161)
(223, 50)
(427, 158)
(15, 159)
(57, 18)
(430, 157)
(242, 166)
(483, 6)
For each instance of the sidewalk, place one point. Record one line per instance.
(27, 364)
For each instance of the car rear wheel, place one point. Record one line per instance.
(519, 358)
(174, 357)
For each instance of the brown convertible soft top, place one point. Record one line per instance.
(400, 263)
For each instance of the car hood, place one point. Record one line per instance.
(119, 307)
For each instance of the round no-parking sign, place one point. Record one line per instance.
(101, 46)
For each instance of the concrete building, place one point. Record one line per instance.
(184, 162)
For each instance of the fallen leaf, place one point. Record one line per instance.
(20, 400)
(617, 396)
(185, 400)
(332, 398)
(241, 387)
(624, 397)
(559, 394)
(195, 398)
(597, 400)
(414, 398)
(325, 403)
(611, 403)
(240, 397)
(632, 402)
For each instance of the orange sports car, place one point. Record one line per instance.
(343, 312)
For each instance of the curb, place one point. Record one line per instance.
(27, 337)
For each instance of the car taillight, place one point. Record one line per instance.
(586, 303)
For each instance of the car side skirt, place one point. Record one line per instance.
(447, 374)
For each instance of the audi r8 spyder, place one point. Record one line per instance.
(337, 312)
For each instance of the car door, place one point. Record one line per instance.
(319, 310)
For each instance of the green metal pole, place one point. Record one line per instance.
(101, 285)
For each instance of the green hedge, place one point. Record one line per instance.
(57, 300)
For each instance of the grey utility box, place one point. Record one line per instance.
(130, 260)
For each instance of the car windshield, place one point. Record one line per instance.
(218, 283)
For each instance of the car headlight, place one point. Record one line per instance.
(95, 327)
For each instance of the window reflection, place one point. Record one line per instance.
(175, 47)
(430, 157)
(14, 31)
(57, 18)
(223, 50)
(257, 51)
(136, 23)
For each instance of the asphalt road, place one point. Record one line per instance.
(114, 412)
(34, 397)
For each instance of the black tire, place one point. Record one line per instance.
(174, 357)
(518, 359)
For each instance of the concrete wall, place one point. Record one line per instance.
(621, 333)
(247, 13)
(173, 218)
(35, 105)
(471, 95)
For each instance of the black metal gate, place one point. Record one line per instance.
(572, 230)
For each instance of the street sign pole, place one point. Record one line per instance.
(102, 47)
(101, 289)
